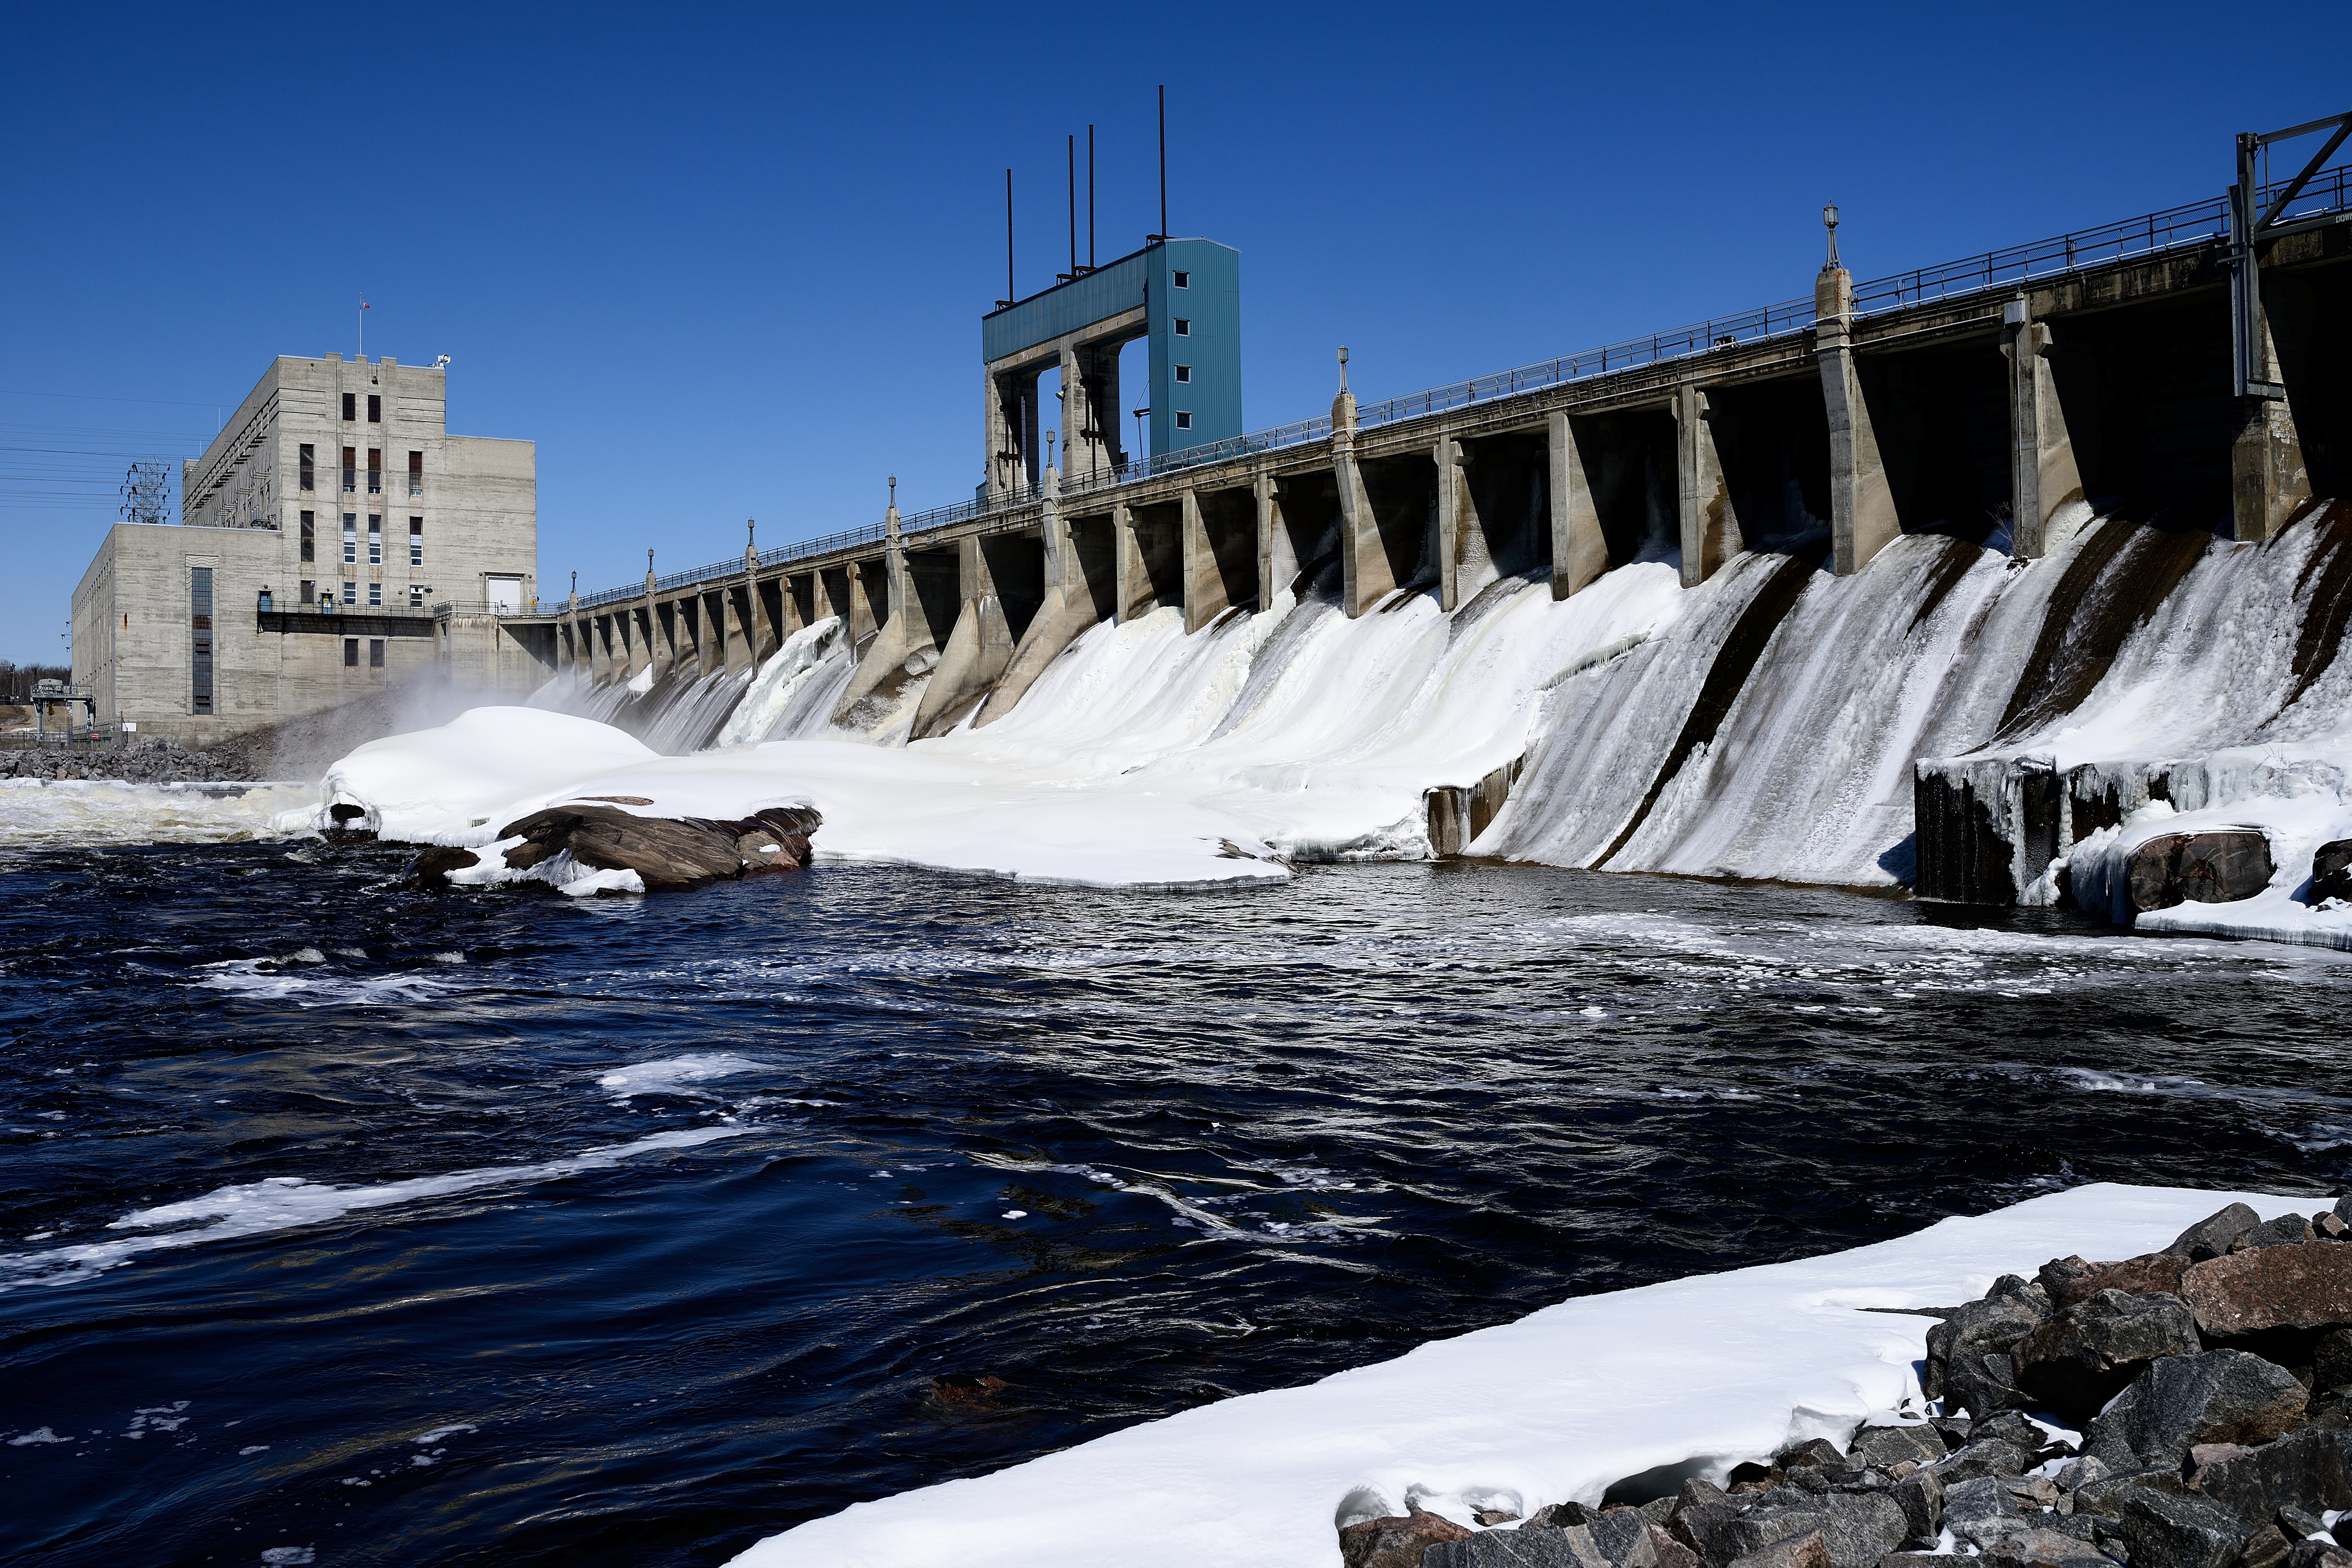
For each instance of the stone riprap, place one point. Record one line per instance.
(2210, 1382)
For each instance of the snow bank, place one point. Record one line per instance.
(1555, 1406)
(1142, 756)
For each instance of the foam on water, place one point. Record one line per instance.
(49, 813)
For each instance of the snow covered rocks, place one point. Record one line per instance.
(2209, 1383)
(2199, 868)
(658, 852)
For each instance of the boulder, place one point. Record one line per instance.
(1920, 1496)
(2331, 1361)
(2300, 1522)
(1792, 1552)
(431, 868)
(2176, 1530)
(1982, 1385)
(1622, 1535)
(1978, 1505)
(2044, 1549)
(2265, 1548)
(2331, 871)
(1560, 1516)
(2302, 1284)
(665, 852)
(2221, 1396)
(1525, 1547)
(2317, 1555)
(1980, 1328)
(1814, 1454)
(2154, 1272)
(2211, 1236)
(2218, 868)
(2105, 1498)
(1881, 1448)
(2305, 1470)
(2082, 1358)
(1398, 1540)
(1986, 1457)
(2284, 1231)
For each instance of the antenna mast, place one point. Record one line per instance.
(1090, 198)
(1009, 295)
(1163, 159)
(1073, 150)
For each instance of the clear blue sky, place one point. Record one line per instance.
(729, 264)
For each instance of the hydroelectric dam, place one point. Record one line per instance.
(1970, 574)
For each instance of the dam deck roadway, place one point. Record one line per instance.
(1972, 399)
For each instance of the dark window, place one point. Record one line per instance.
(375, 470)
(350, 653)
(350, 592)
(375, 653)
(1183, 420)
(200, 633)
(351, 469)
(309, 466)
(416, 542)
(375, 409)
(376, 540)
(309, 589)
(349, 397)
(1183, 280)
(310, 536)
(417, 473)
(352, 537)
(1183, 326)
(375, 595)
(1184, 373)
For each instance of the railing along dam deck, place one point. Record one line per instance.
(1973, 398)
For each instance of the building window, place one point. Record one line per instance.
(375, 470)
(309, 589)
(416, 542)
(375, 653)
(375, 596)
(348, 414)
(417, 473)
(350, 592)
(1184, 373)
(351, 469)
(1183, 280)
(1183, 419)
(200, 636)
(309, 466)
(375, 409)
(1183, 326)
(416, 595)
(350, 653)
(351, 537)
(310, 536)
(376, 540)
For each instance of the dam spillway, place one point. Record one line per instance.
(1899, 523)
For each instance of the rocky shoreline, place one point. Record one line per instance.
(2186, 1408)
(568, 844)
(143, 762)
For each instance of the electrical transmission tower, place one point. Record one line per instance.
(146, 491)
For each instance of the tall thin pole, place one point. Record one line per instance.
(1163, 159)
(1073, 150)
(1009, 295)
(1090, 198)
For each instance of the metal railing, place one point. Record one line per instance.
(2328, 195)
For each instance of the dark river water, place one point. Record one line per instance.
(503, 1229)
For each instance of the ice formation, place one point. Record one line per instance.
(1706, 1370)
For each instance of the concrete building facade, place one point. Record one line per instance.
(330, 538)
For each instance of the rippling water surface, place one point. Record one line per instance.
(508, 1228)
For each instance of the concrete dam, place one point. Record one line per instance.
(1968, 579)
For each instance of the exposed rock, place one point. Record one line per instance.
(1491, 1517)
(1700, 1508)
(1398, 1540)
(2012, 1429)
(2331, 1360)
(1814, 1454)
(1884, 1447)
(2081, 1359)
(2304, 1471)
(2331, 871)
(665, 852)
(1560, 1516)
(2210, 1237)
(2154, 1272)
(2299, 1522)
(2044, 1549)
(2284, 1231)
(1988, 1457)
(1984, 1384)
(2318, 1554)
(431, 868)
(1920, 1496)
(1793, 1552)
(1622, 1535)
(1526, 1547)
(2325, 1224)
(2221, 1396)
(2304, 1285)
(2176, 1530)
(2330, 1411)
(2105, 1496)
(1979, 1505)
(2082, 1472)
(2265, 1548)
(2199, 868)
(1978, 1329)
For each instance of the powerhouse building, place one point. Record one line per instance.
(333, 540)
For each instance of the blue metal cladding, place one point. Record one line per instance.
(1208, 307)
